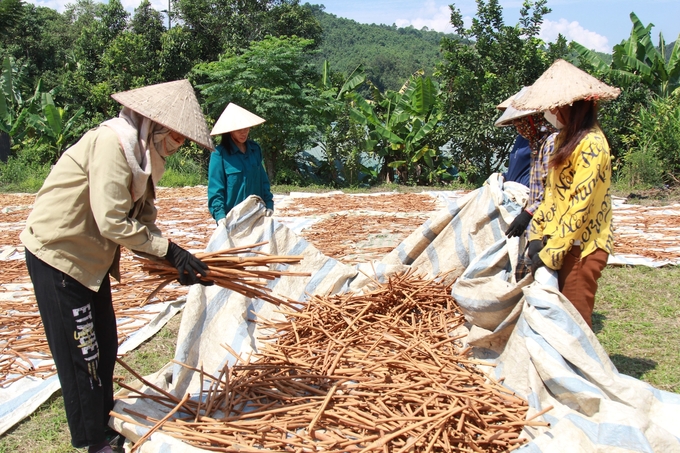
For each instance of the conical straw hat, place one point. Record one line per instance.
(173, 105)
(505, 104)
(234, 118)
(563, 84)
(512, 113)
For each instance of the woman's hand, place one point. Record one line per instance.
(187, 265)
(519, 225)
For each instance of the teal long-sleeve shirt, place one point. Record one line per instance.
(233, 176)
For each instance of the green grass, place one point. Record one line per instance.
(17, 176)
(45, 430)
(181, 170)
(637, 320)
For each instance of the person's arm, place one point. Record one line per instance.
(541, 172)
(110, 199)
(147, 216)
(538, 220)
(217, 183)
(267, 196)
(591, 160)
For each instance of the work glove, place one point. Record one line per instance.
(187, 265)
(536, 262)
(222, 221)
(534, 247)
(268, 212)
(519, 225)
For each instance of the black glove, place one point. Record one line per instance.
(536, 262)
(534, 247)
(187, 265)
(519, 225)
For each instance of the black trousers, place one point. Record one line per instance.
(80, 326)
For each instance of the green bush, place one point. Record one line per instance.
(19, 176)
(642, 169)
(619, 118)
(182, 169)
(26, 169)
(657, 133)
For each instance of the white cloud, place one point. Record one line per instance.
(430, 15)
(573, 31)
(59, 5)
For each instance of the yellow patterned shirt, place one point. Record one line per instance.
(577, 203)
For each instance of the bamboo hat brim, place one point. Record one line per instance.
(234, 118)
(563, 84)
(512, 113)
(505, 104)
(171, 104)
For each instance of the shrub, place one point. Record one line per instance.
(642, 169)
(182, 169)
(658, 137)
(19, 176)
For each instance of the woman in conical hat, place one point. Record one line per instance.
(573, 223)
(98, 197)
(236, 171)
(529, 157)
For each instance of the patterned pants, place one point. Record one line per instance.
(80, 326)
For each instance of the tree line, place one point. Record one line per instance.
(375, 103)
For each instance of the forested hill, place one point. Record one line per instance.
(389, 54)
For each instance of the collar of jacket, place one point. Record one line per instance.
(231, 147)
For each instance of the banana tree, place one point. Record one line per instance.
(638, 59)
(54, 126)
(400, 126)
(12, 108)
(339, 138)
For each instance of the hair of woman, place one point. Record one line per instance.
(581, 118)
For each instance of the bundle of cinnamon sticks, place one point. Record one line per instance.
(379, 371)
(244, 270)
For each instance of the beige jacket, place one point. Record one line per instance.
(84, 211)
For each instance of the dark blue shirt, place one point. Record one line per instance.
(519, 167)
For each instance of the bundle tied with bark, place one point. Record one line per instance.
(381, 371)
(244, 270)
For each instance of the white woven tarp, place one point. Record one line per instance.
(536, 339)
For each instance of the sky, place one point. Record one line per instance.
(597, 24)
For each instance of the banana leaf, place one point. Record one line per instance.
(5, 116)
(52, 115)
(388, 134)
(425, 129)
(356, 78)
(424, 96)
(590, 57)
(396, 163)
(71, 122)
(326, 75)
(673, 65)
(7, 84)
(638, 66)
